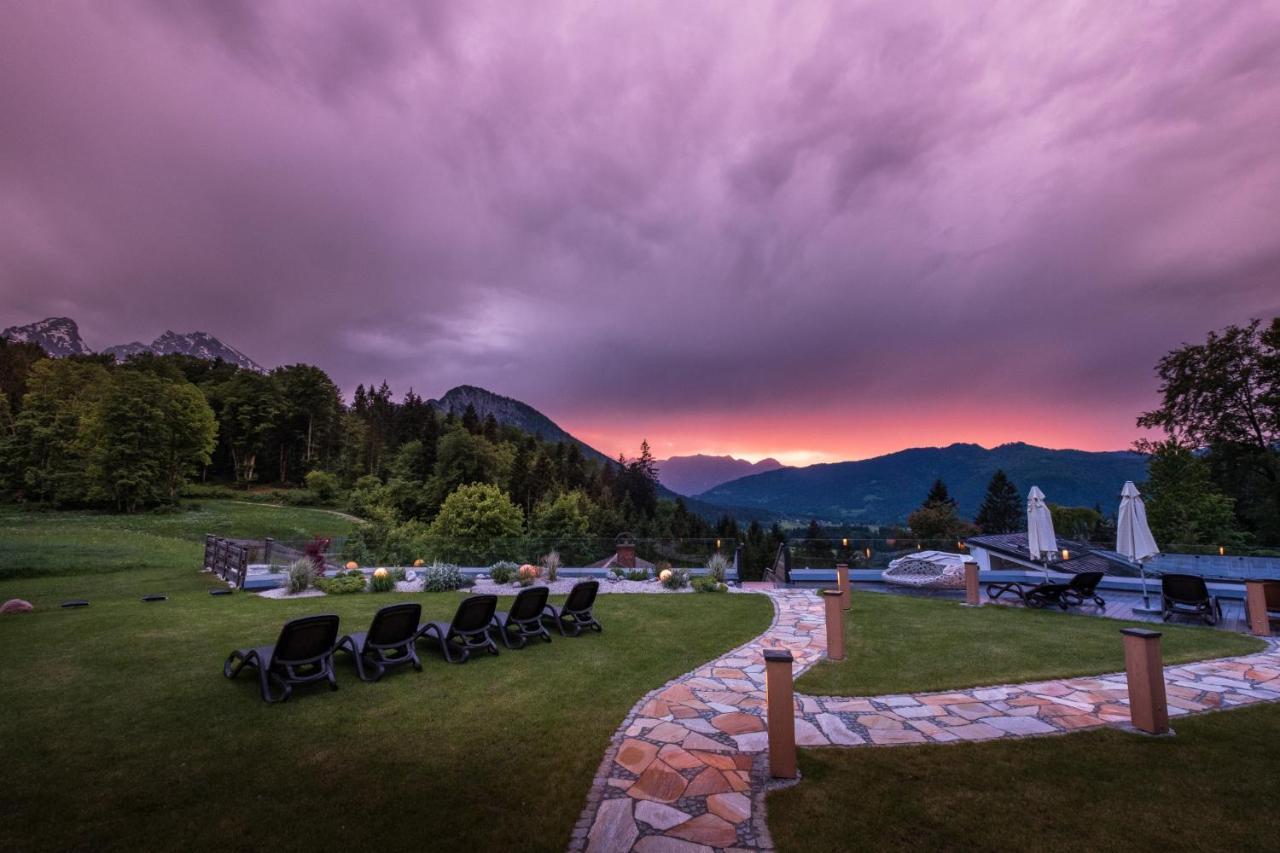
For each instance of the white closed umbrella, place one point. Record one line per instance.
(1040, 538)
(1133, 534)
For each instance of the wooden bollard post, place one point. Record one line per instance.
(842, 584)
(1255, 595)
(1144, 667)
(780, 705)
(835, 624)
(972, 595)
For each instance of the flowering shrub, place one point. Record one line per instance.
(441, 577)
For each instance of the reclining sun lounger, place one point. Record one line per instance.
(575, 615)
(1080, 588)
(302, 655)
(469, 630)
(524, 620)
(1188, 595)
(388, 642)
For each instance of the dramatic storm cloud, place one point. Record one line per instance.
(797, 229)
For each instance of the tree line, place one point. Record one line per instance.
(86, 431)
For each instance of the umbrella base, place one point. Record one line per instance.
(1145, 607)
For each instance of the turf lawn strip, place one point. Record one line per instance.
(1213, 786)
(119, 731)
(34, 543)
(900, 644)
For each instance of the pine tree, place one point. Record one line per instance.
(471, 419)
(938, 495)
(1001, 510)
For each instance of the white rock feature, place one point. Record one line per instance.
(932, 569)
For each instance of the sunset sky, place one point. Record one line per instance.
(802, 230)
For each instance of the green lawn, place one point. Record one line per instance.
(897, 644)
(120, 732)
(1212, 787)
(42, 544)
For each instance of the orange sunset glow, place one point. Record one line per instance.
(835, 435)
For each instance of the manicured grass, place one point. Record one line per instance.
(38, 544)
(897, 644)
(1213, 786)
(120, 733)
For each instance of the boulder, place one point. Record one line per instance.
(15, 605)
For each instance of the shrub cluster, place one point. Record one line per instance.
(708, 584)
(674, 578)
(441, 577)
(503, 571)
(343, 583)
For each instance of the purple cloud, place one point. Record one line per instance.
(726, 211)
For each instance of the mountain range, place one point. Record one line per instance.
(60, 336)
(881, 490)
(887, 488)
(692, 475)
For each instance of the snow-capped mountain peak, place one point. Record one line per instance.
(58, 336)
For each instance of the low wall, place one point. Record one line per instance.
(260, 580)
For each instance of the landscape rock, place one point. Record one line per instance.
(15, 605)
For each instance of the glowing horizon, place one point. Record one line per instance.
(812, 231)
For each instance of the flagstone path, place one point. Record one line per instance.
(687, 771)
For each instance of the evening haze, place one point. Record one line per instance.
(801, 230)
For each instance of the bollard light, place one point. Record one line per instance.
(780, 705)
(1144, 672)
(832, 599)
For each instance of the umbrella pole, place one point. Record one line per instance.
(1146, 599)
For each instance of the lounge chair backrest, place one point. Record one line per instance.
(529, 604)
(1184, 587)
(582, 596)
(306, 639)
(475, 613)
(1085, 582)
(395, 623)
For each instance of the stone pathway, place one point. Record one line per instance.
(687, 770)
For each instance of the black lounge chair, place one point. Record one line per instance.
(575, 615)
(388, 642)
(1188, 595)
(469, 630)
(524, 620)
(1081, 588)
(302, 655)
